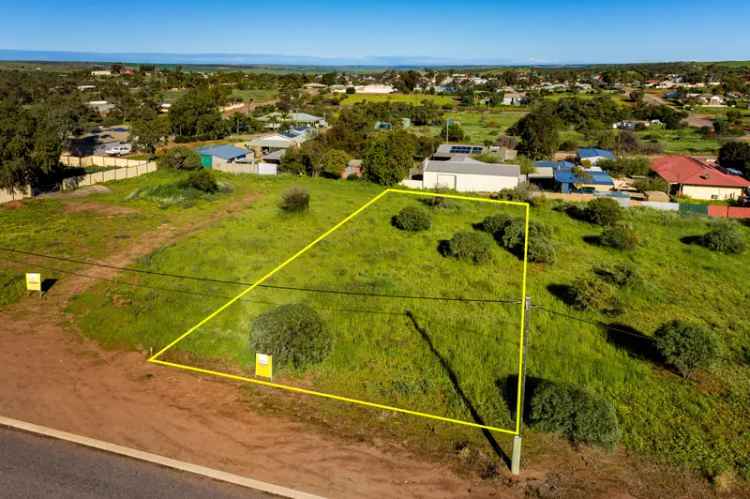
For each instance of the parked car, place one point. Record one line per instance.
(119, 149)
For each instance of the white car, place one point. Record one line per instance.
(119, 149)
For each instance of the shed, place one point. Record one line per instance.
(469, 175)
(594, 155)
(212, 157)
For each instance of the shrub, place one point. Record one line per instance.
(575, 413)
(412, 219)
(294, 334)
(202, 180)
(295, 200)
(180, 158)
(622, 275)
(475, 247)
(494, 224)
(541, 247)
(686, 346)
(588, 293)
(603, 211)
(620, 236)
(651, 184)
(725, 238)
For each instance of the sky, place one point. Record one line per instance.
(470, 31)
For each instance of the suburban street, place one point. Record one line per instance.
(33, 466)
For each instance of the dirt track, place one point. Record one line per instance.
(51, 376)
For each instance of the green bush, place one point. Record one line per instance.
(495, 224)
(686, 346)
(588, 293)
(622, 275)
(412, 219)
(725, 238)
(541, 247)
(575, 413)
(294, 334)
(603, 211)
(620, 235)
(180, 158)
(475, 247)
(295, 200)
(202, 180)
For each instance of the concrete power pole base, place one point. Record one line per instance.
(515, 462)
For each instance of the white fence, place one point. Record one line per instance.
(136, 170)
(248, 168)
(15, 195)
(99, 161)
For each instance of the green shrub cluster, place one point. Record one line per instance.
(295, 200)
(495, 224)
(590, 293)
(725, 238)
(686, 346)
(180, 158)
(201, 180)
(294, 334)
(412, 219)
(510, 234)
(622, 275)
(474, 247)
(575, 413)
(620, 235)
(603, 211)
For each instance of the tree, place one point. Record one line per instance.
(334, 161)
(686, 346)
(180, 158)
(149, 130)
(736, 155)
(539, 133)
(388, 157)
(196, 114)
(603, 211)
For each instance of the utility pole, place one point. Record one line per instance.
(515, 466)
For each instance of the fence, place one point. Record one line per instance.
(137, 169)
(14, 195)
(99, 161)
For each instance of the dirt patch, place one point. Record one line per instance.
(108, 210)
(700, 120)
(12, 205)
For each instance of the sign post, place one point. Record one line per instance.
(34, 282)
(264, 365)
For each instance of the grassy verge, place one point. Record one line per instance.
(458, 356)
(415, 99)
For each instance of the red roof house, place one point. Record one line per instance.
(694, 178)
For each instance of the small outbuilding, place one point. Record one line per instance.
(217, 156)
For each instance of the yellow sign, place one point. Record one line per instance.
(263, 365)
(34, 282)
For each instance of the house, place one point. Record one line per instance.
(386, 125)
(566, 177)
(101, 72)
(102, 107)
(275, 119)
(696, 179)
(294, 137)
(447, 152)
(594, 155)
(374, 88)
(215, 157)
(464, 174)
(514, 99)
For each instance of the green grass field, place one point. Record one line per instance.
(380, 354)
(682, 141)
(255, 95)
(479, 125)
(414, 99)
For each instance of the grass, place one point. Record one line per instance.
(479, 125)
(255, 95)
(381, 355)
(414, 99)
(686, 140)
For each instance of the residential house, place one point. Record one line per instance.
(464, 174)
(594, 155)
(566, 177)
(696, 179)
(514, 99)
(102, 107)
(276, 119)
(293, 137)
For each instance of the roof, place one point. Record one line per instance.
(224, 152)
(470, 166)
(692, 171)
(295, 117)
(459, 149)
(554, 164)
(595, 153)
(566, 175)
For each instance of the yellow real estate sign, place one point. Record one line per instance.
(33, 282)
(263, 365)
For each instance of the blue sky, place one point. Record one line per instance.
(536, 31)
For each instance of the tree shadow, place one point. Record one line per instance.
(691, 240)
(459, 391)
(47, 284)
(443, 247)
(593, 240)
(508, 387)
(637, 344)
(563, 292)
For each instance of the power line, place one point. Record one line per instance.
(269, 286)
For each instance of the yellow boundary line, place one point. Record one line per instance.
(154, 359)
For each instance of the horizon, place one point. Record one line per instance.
(389, 33)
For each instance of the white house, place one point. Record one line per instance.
(464, 174)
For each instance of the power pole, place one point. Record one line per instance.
(515, 466)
